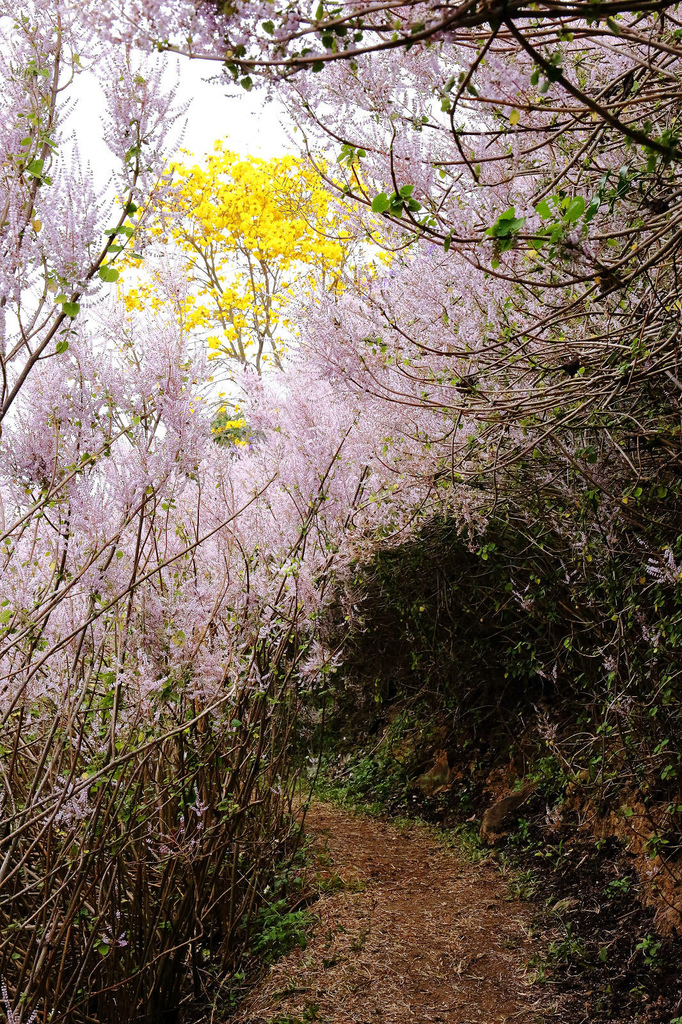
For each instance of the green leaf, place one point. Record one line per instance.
(317, 65)
(268, 26)
(380, 203)
(507, 224)
(543, 209)
(406, 191)
(108, 274)
(61, 347)
(71, 309)
(592, 209)
(575, 209)
(130, 208)
(35, 168)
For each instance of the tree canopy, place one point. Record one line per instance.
(255, 235)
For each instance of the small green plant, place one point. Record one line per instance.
(550, 776)
(554, 854)
(521, 835)
(618, 887)
(333, 882)
(311, 1013)
(523, 886)
(467, 839)
(281, 929)
(539, 975)
(570, 949)
(650, 948)
(359, 940)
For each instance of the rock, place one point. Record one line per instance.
(493, 818)
(438, 779)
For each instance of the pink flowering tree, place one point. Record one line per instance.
(146, 650)
(527, 161)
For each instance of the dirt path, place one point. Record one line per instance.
(406, 932)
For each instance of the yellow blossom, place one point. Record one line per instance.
(254, 233)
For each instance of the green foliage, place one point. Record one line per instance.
(364, 780)
(350, 155)
(650, 948)
(504, 232)
(437, 624)
(570, 948)
(280, 929)
(523, 885)
(396, 203)
(311, 1013)
(618, 887)
(70, 309)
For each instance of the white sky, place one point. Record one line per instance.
(248, 123)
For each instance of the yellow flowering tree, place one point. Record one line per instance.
(253, 233)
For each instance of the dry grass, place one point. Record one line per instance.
(410, 933)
